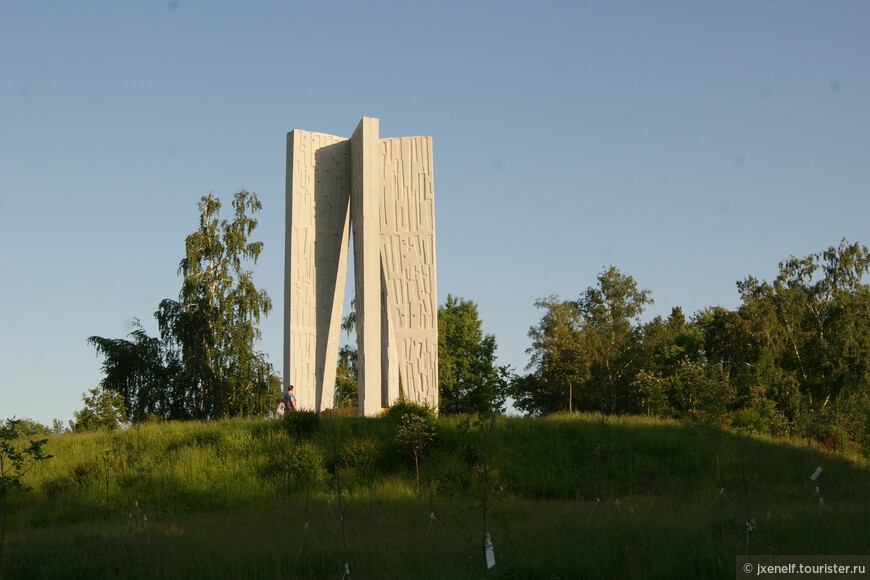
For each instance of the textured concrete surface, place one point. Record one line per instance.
(383, 190)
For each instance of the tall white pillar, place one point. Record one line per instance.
(384, 189)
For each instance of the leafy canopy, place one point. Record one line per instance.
(469, 381)
(204, 364)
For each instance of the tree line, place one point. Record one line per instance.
(793, 358)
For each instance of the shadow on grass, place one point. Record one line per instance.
(568, 497)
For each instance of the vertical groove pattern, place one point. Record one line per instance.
(315, 263)
(384, 188)
(407, 225)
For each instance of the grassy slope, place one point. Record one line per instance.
(564, 497)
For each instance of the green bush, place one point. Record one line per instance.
(360, 453)
(749, 420)
(55, 488)
(302, 424)
(296, 462)
(828, 428)
(401, 408)
(305, 463)
(86, 473)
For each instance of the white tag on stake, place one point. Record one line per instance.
(490, 555)
(816, 474)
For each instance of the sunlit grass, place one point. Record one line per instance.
(567, 496)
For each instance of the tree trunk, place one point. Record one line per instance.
(570, 397)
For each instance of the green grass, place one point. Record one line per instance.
(577, 496)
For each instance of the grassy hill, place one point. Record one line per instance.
(579, 496)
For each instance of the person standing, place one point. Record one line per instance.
(289, 400)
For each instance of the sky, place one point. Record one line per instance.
(689, 144)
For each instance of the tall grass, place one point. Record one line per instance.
(567, 496)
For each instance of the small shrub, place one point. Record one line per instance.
(834, 437)
(301, 424)
(400, 409)
(828, 429)
(84, 474)
(749, 420)
(294, 462)
(358, 453)
(305, 463)
(57, 487)
(414, 434)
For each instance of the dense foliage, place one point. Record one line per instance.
(469, 381)
(103, 411)
(794, 357)
(347, 371)
(16, 460)
(204, 364)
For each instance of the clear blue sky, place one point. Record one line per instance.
(689, 144)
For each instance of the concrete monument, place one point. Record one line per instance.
(380, 192)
